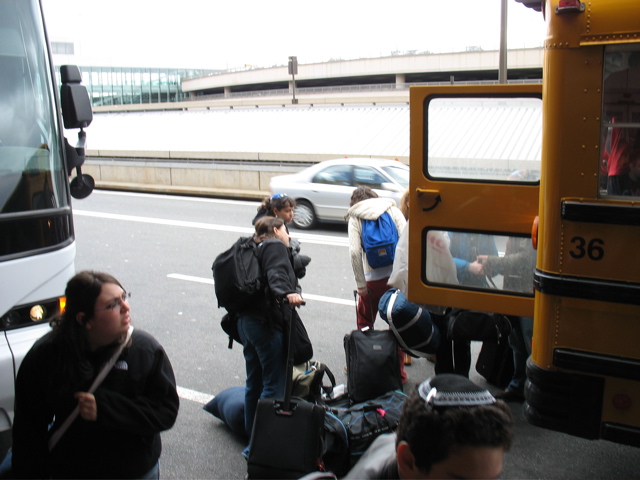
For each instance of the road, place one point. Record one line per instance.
(161, 249)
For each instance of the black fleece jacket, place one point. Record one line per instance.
(136, 401)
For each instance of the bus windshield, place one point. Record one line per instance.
(34, 202)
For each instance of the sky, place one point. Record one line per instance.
(231, 34)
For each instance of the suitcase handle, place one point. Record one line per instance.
(282, 411)
(288, 407)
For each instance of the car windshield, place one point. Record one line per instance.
(400, 175)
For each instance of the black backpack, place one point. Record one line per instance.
(238, 278)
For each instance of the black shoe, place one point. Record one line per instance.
(509, 396)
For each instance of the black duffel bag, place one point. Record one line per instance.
(349, 431)
(478, 326)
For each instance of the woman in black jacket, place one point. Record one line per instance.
(260, 325)
(116, 433)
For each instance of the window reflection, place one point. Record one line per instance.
(620, 160)
(368, 177)
(480, 261)
(484, 138)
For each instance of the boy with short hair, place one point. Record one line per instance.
(450, 428)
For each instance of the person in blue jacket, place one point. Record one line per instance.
(465, 248)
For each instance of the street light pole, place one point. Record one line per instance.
(293, 70)
(502, 68)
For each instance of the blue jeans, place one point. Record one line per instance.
(5, 466)
(264, 354)
(153, 474)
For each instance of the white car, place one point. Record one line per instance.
(323, 191)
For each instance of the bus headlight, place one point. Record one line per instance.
(37, 313)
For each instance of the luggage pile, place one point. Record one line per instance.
(318, 426)
(323, 432)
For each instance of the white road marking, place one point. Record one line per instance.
(175, 197)
(194, 395)
(190, 278)
(304, 237)
(306, 296)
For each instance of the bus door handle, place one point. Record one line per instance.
(432, 195)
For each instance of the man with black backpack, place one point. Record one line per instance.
(259, 319)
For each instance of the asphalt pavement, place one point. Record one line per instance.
(162, 247)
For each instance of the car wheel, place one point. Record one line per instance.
(304, 217)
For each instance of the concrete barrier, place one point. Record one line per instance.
(215, 174)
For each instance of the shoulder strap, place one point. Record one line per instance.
(396, 331)
(57, 435)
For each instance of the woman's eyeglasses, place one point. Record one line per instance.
(116, 304)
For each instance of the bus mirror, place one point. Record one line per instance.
(75, 155)
(81, 186)
(76, 113)
(74, 99)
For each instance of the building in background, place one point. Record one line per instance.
(126, 85)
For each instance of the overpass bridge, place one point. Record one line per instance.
(231, 143)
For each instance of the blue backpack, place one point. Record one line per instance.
(379, 239)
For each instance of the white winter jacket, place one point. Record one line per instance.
(369, 209)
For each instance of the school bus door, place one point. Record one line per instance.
(475, 171)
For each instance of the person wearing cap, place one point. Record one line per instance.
(449, 428)
(281, 205)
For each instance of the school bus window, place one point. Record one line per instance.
(475, 261)
(620, 160)
(484, 138)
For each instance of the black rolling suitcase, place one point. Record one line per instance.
(373, 364)
(286, 441)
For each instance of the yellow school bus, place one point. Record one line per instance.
(556, 168)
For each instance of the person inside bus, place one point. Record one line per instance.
(114, 431)
(282, 206)
(517, 266)
(628, 182)
(454, 356)
(449, 428)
